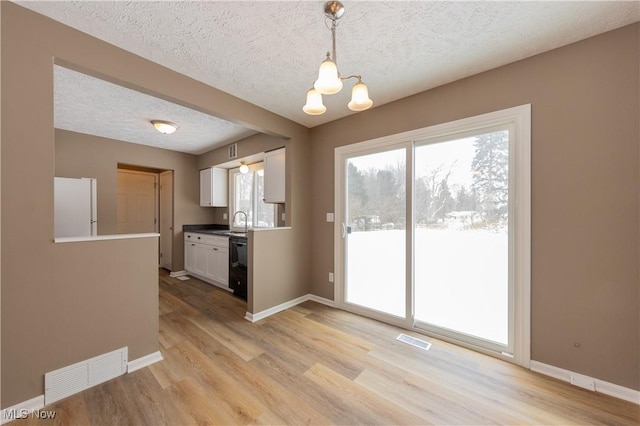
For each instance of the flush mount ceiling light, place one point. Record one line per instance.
(329, 78)
(244, 169)
(164, 127)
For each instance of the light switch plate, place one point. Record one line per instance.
(329, 217)
(284, 216)
(330, 277)
(224, 216)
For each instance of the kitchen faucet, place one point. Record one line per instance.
(246, 219)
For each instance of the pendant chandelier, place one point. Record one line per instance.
(329, 78)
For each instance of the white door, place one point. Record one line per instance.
(166, 220)
(137, 202)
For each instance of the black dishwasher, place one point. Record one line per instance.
(238, 266)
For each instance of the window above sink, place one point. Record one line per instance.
(246, 193)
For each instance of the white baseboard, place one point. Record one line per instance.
(278, 308)
(322, 300)
(144, 361)
(178, 274)
(22, 410)
(601, 386)
(286, 305)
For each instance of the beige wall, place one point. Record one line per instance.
(64, 303)
(585, 185)
(80, 155)
(273, 278)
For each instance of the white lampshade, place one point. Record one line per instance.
(314, 104)
(360, 97)
(164, 127)
(328, 81)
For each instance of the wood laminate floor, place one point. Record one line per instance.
(316, 365)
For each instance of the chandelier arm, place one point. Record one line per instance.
(359, 77)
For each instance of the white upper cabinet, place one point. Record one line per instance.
(274, 176)
(213, 187)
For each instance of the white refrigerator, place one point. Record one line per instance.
(75, 207)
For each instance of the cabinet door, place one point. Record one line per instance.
(222, 265)
(190, 256)
(211, 263)
(205, 187)
(213, 187)
(201, 259)
(274, 176)
(219, 187)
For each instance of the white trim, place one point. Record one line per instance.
(322, 300)
(601, 386)
(144, 361)
(22, 409)
(286, 305)
(274, 310)
(105, 237)
(176, 274)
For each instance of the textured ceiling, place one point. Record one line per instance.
(89, 105)
(267, 53)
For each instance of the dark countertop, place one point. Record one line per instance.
(201, 228)
(213, 229)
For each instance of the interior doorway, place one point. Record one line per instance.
(137, 202)
(145, 204)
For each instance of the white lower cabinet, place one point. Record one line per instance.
(217, 264)
(207, 259)
(194, 257)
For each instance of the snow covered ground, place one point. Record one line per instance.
(461, 277)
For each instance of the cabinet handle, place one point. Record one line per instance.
(215, 249)
(198, 237)
(188, 236)
(193, 245)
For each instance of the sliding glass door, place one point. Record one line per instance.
(374, 232)
(428, 236)
(462, 286)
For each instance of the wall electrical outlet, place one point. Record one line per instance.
(330, 277)
(284, 216)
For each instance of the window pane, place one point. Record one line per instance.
(376, 243)
(243, 198)
(248, 195)
(461, 235)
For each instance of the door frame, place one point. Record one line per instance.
(520, 118)
(167, 198)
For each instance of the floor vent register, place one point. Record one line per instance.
(414, 342)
